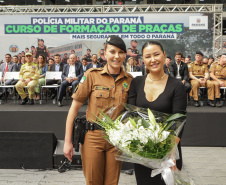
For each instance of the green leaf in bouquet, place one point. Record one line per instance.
(151, 117)
(144, 123)
(133, 122)
(174, 116)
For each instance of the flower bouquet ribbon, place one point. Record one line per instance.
(148, 138)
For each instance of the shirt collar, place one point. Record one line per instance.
(196, 63)
(122, 72)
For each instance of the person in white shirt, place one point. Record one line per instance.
(71, 75)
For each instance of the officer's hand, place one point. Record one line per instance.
(68, 150)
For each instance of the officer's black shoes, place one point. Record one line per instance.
(60, 104)
(211, 103)
(196, 104)
(31, 102)
(219, 104)
(24, 101)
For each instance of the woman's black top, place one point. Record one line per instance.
(171, 100)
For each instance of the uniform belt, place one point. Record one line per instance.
(93, 126)
(199, 77)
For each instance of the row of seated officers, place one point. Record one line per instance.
(193, 75)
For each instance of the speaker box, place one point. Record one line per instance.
(30, 150)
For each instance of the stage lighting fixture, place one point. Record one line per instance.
(39, 1)
(67, 1)
(168, 0)
(1, 1)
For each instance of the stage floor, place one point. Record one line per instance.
(49, 106)
(205, 125)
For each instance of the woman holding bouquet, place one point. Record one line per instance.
(106, 89)
(160, 92)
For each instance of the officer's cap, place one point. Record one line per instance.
(28, 54)
(199, 53)
(169, 57)
(116, 41)
(134, 41)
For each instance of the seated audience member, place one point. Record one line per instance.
(56, 66)
(16, 61)
(166, 65)
(211, 61)
(218, 75)
(29, 75)
(102, 58)
(51, 62)
(33, 50)
(71, 75)
(7, 66)
(205, 60)
(35, 60)
(94, 63)
(179, 70)
(23, 61)
(199, 75)
(131, 65)
(43, 67)
(187, 60)
(84, 64)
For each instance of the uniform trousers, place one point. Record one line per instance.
(30, 87)
(98, 160)
(195, 89)
(64, 86)
(217, 88)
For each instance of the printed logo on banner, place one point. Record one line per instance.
(198, 22)
(13, 48)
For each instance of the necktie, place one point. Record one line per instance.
(6, 69)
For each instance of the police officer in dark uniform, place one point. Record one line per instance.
(132, 51)
(106, 88)
(41, 49)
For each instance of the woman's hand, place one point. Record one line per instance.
(68, 150)
(174, 168)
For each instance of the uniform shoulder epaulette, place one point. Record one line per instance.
(94, 69)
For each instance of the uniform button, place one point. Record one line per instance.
(113, 86)
(112, 97)
(100, 94)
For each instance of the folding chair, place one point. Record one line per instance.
(10, 76)
(135, 74)
(52, 75)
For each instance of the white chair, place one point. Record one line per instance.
(135, 74)
(10, 76)
(52, 75)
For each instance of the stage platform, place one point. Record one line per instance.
(206, 126)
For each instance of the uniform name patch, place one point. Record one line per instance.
(102, 88)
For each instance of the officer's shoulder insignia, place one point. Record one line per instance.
(83, 79)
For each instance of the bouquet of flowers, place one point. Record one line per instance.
(146, 137)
